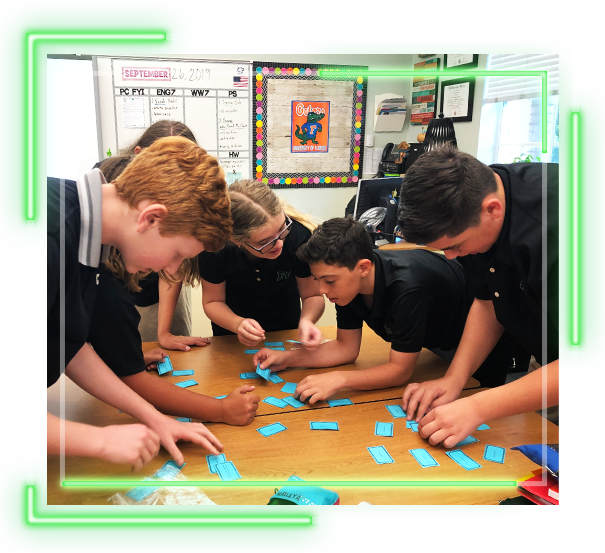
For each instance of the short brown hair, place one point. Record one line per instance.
(160, 129)
(442, 194)
(180, 175)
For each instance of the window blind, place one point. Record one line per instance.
(502, 89)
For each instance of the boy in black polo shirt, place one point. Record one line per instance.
(502, 221)
(168, 205)
(412, 299)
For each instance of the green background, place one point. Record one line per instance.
(337, 17)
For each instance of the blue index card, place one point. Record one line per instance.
(227, 471)
(483, 427)
(397, 411)
(494, 453)
(141, 492)
(186, 383)
(220, 397)
(463, 459)
(293, 402)
(315, 425)
(276, 402)
(275, 378)
(214, 460)
(264, 373)
(383, 429)
(339, 402)
(380, 454)
(251, 351)
(289, 388)
(274, 344)
(168, 470)
(183, 419)
(164, 366)
(466, 441)
(412, 424)
(271, 429)
(244, 376)
(424, 458)
(278, 349)
(294, 342)
(183, 373)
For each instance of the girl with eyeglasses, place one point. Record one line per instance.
(256, 283)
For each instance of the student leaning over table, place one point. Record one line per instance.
(256, 283)
(492, 219)
(115, 337)
(410, 298)
(157, 213)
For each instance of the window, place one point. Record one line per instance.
(511, 125)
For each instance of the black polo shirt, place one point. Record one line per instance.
(114, 328)
(510, 274)
(82, 255)
(261, 289)
(420, 300)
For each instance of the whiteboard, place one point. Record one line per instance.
(213, 98)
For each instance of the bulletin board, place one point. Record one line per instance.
(213, 98)
(308, 130)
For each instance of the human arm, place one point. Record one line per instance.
(89, 372)
(248, 331)
(344, 349)
(152, 357)
(313, 305)
(394, 373)
(453, 422)
(169, 295)
(135, 444)
(238, 408)
(481, 333)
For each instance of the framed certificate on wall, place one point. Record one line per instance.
(457, 99)
(460, 61)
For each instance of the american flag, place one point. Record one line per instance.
(240, 82)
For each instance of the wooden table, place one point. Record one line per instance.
(332, 456)
(402, 245)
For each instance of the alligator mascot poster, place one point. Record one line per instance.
(310, 126)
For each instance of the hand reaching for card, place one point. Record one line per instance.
(152, 357)
(428, 395)
(250, 332)
(309, 335)
(320, 386)
(135, 444)
(270, 359)
(239, 407)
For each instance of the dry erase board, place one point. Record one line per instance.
(310, 123)
(213, 98)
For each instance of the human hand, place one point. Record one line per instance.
(239, 407)
(250, 332)
(428, 395)
(183, 343)
(270, 358)
(320, 386)
(152, 357)
(170, 431)
(309, 335)
(135, 444)
(450, 423)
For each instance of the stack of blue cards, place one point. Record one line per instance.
(271, 429)
(164, 366)
(218, 464)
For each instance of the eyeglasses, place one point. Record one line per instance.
(269, 245)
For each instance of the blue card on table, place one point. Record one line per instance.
(397, 411)
(275, 378)
(276, 402)
(289, 388)
(281, 348)
(463, 459)
(264, 373)
(188, 372)
(494, 453)
(339, 402)
(168, 470)
(412, 424)
(315, 425)
(294, 342)
(141, 492)
(423, 457)
(251, 351)
(183, 419)
(164, 366)
(220, 397)
(380, 454)
(214, 460)
(227, 471)
(293, 402)
(483, 427)
(186, 383)
(271, 429)
(244, 376)
(466, 441)
(383, 429)
(274, 344)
